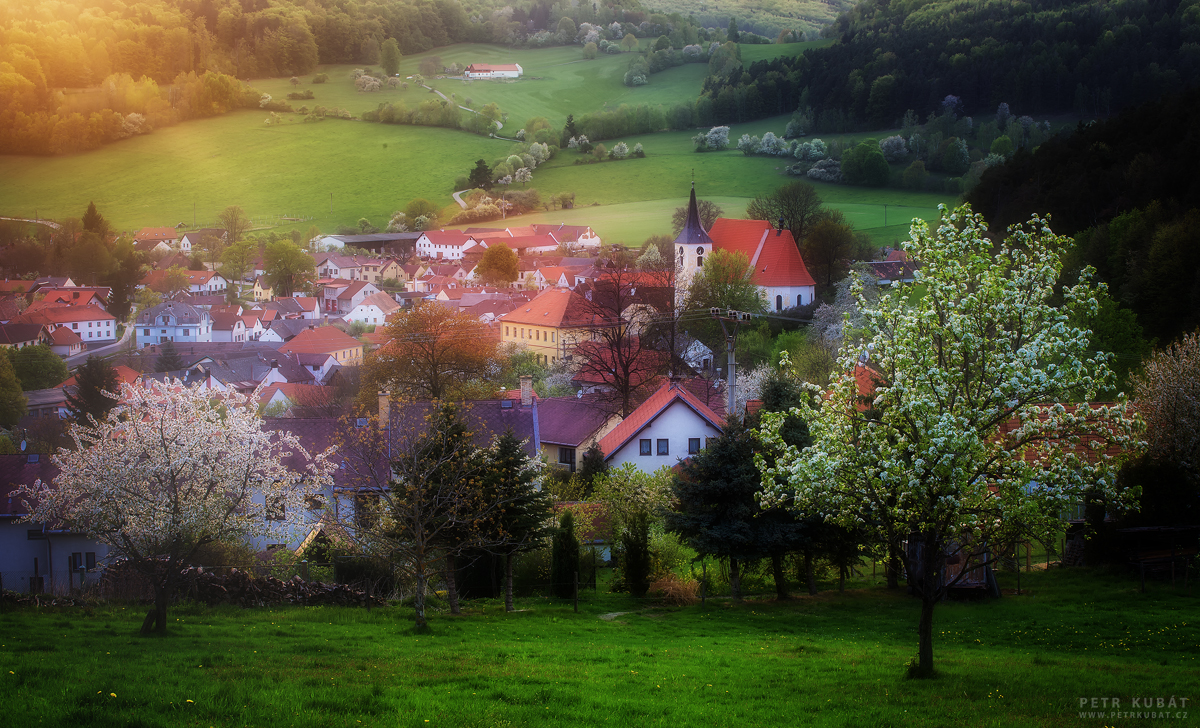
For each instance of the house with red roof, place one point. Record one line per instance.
(776, 266)
(551, 325)
(672, 424)
(155, 235)
(446, 244)
(345, 349)
(227, 326)
(493, 70)
(65, 342)
(373, 309)
(199, 282)
(91, 323)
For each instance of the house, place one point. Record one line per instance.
(78, 296)
(173, 321)
(373, 309)
(341, 296)
(65, 342)
(38, 557)
(550, 325)
(446, 244)
(351, 267)
(897, 268)
(775, 263)
(571, 235)
(199, 282)
(345, 349)
(669, 426)
(192, 241)
(92, 324)
(568, 426)
(20, 335)
(262, 290)
(227, 326)
(529, 244)
(493, 70)
(320, 365)
(166, 235)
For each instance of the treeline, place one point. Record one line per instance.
(1126, 189)
(1091, 57)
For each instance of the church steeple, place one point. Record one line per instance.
(693, 232)
(691, 247)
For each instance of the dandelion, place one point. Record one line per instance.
(112, 695)
(191, 701)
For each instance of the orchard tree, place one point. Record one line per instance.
(171, 470)
(978, 426)
(499, 266)
(1168, 396)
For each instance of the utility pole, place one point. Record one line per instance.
(731, 331)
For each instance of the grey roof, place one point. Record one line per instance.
(569, 421)
(283, 305)
(183, 313)
(486, 418)
(693, 232)
(287, 329)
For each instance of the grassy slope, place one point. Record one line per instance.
(830, 660)
(290, 170)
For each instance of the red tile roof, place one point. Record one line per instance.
(156, 233)
(556, 308)
(64, 314)
(320, 340)
(651, 409)
(62, 336)
(773, 253)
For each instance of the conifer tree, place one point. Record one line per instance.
(92, 380)
(168, 358)
(564, 558)
(592, 465)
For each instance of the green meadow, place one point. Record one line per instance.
(830, 660)
(332, 173)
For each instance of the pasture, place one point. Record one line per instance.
(335, 172)
(830, 660)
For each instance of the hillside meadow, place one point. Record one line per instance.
(830, 660)
(335, 172)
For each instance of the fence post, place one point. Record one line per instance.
(576, 592)
(703, 581)
(304, 569)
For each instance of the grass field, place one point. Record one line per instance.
(191, 171)
(831, 660)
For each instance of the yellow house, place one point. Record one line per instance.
(345, 349)
(390, 269)
(262, 290)
(551, 325)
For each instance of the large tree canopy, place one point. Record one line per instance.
(958, 421)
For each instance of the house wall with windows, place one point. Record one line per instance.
(674, 434)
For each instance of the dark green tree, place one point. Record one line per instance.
(93, 221)
(635, 553)
(390, 57)
(592, 465)
(564, 558)
(733, 30)
(865, 165)
(481, 176)
(520, 510)
(123, 277)
(168, 358)
(88, 399)
(37, 367)
(12, 400)
(569, 130)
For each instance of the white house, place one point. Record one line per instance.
(228, 327)
(493, 70)
(446, 244)
(190, 241)
(174, 321)
(671, 425)
(577, 235)
(92, 324)
(373, 309)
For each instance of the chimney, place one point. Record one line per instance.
(385, 409)
(526, 390)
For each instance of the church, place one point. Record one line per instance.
(776, 266)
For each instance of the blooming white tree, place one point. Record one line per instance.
(170, 470)
(264, 100)
(894, 149)
(620, 150)
(717, 137)
(977, 427)
(522, 175)
(748, 144)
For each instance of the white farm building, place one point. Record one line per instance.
(493, 70)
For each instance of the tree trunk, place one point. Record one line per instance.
(451, 585)
(735, 579)
(810, 573)
(841, 579)
(929, 570)
(781, 591)
(925, 632)
(156, 618)
(508, 563)
(419, 599)
(893, 566)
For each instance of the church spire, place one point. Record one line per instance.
(693, 232)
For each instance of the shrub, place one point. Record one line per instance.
(564, 562)
(826, 170)
(894, 149)
(673, 591)
(635, 547)
(320, 78)
(638, 151)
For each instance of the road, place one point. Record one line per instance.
(47, 223)
(104, 351)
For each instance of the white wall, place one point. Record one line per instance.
(792, 295)
(676, 424)
(17, 553)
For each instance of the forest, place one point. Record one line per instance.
(1126, 189)
(1089, 57)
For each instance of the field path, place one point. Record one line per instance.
(499, 126)
(459, 200)
(47, 223)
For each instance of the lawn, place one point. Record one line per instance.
(835, 659)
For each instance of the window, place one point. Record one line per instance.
(187, 332)
(799, 299)
(75, 326)
(76, 560)
(699, 261)
(89, 560)
(664, 447)
(779, 303)
(566, 456)
(145, 332)
(644, 447)
(693, 445)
